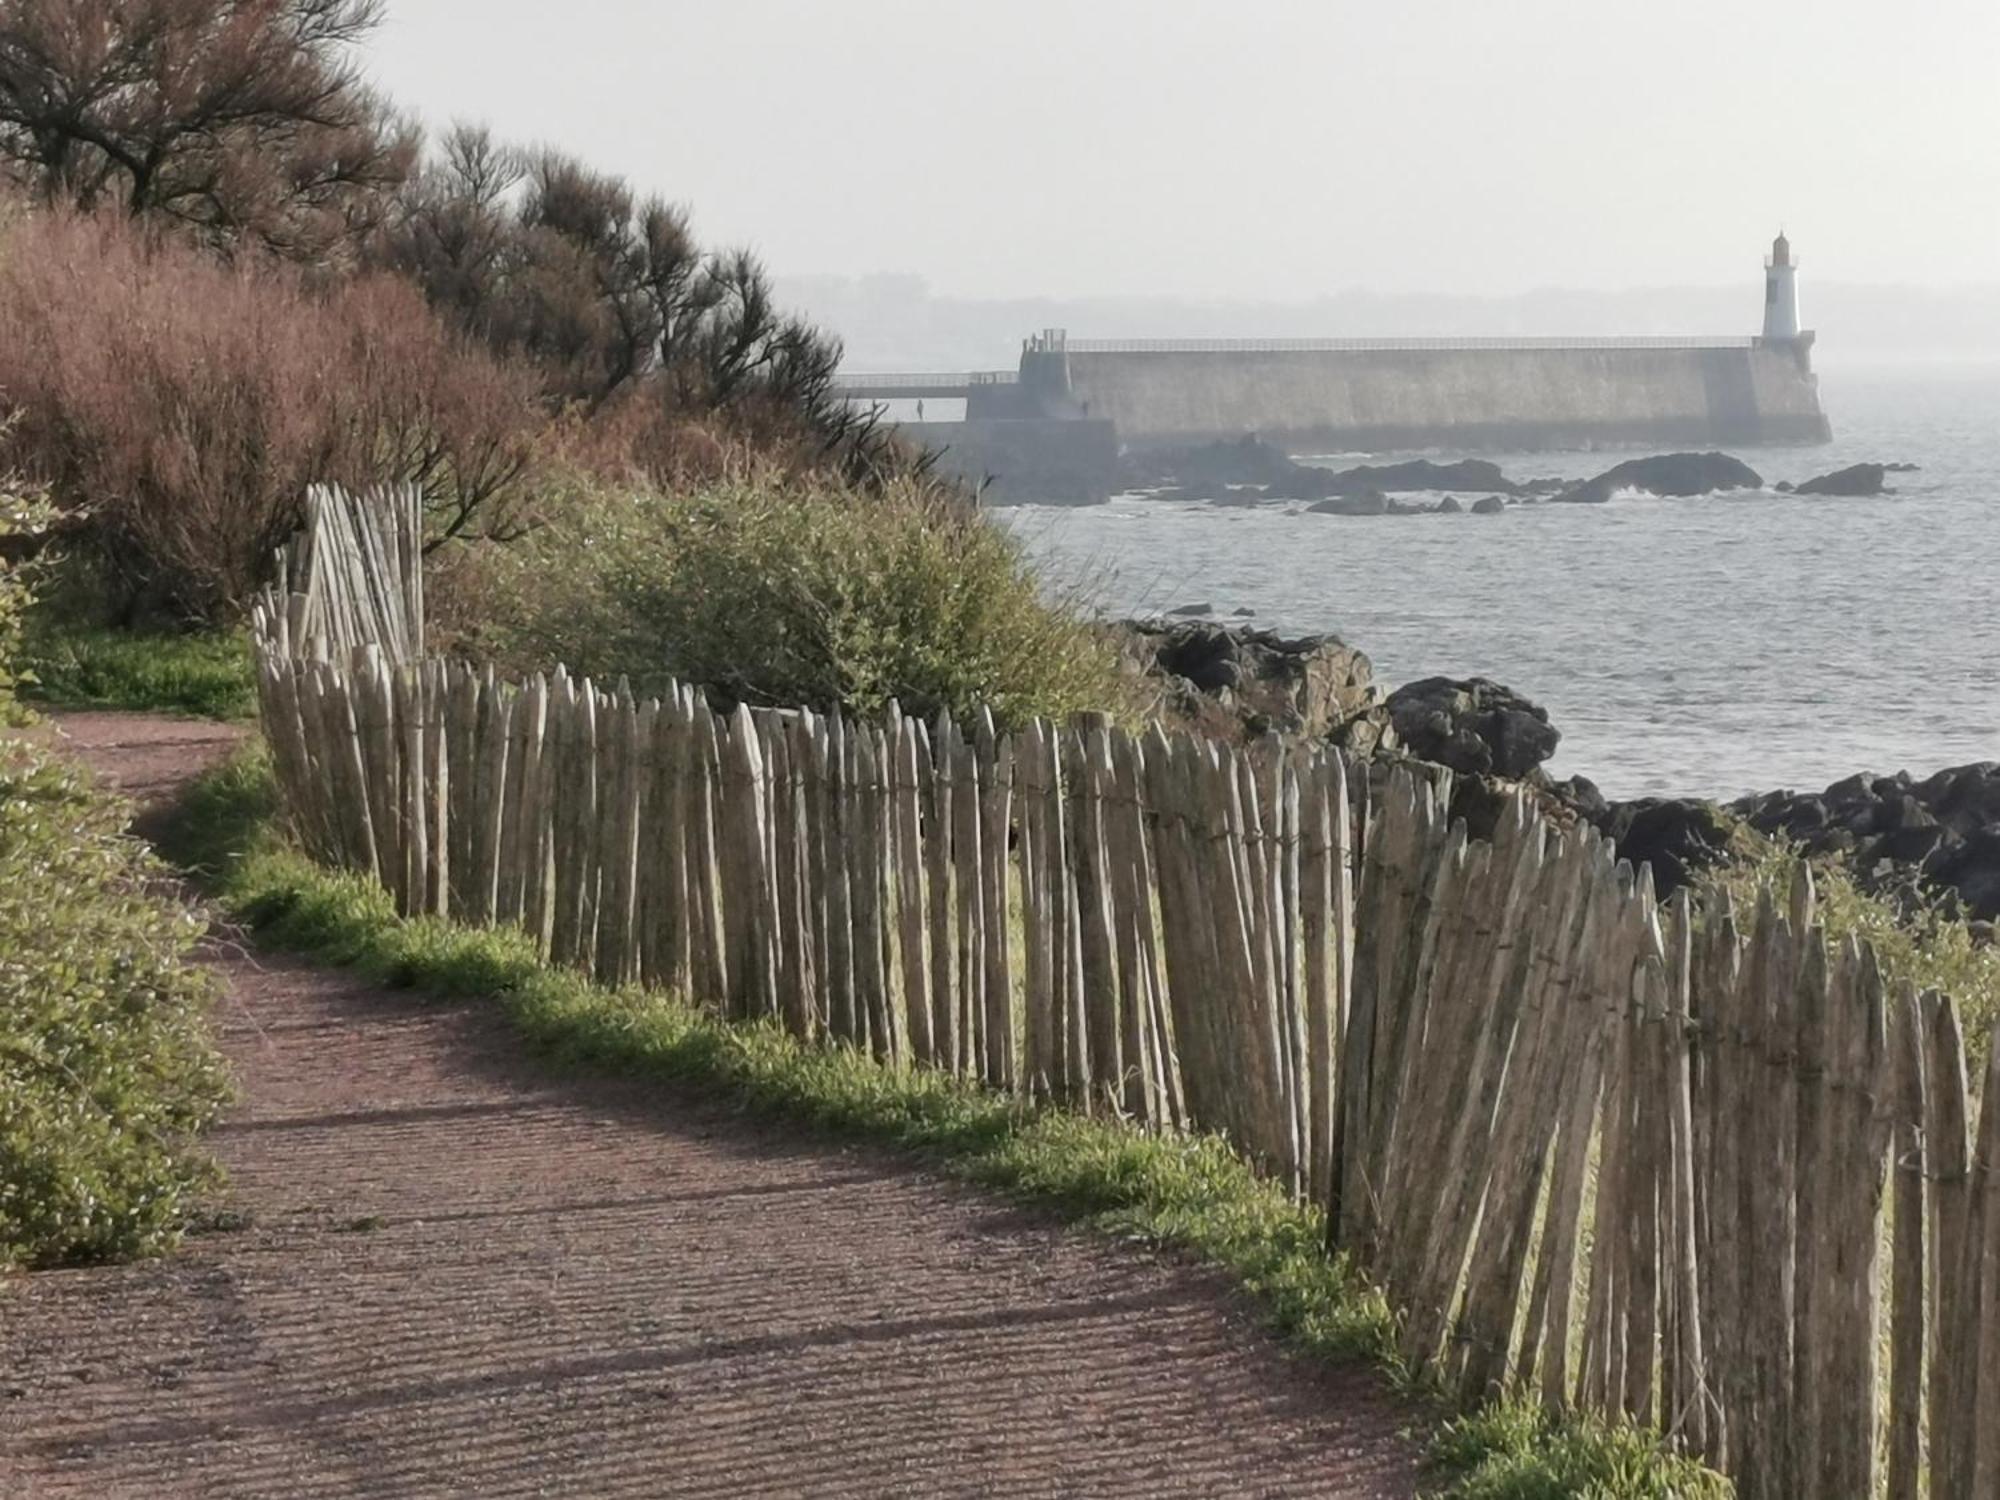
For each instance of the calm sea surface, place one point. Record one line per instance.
(1707, 647)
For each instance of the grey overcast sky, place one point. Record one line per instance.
(1262, 148)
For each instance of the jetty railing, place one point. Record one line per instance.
(1702, 1168)
(1340, 345)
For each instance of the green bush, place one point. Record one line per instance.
(106, 1067)
(782, 595)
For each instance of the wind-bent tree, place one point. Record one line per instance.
(611, 297)
(246, 119)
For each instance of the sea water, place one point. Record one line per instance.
(1694, 647)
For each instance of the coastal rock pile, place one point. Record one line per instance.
(1941, 832)
(1669, 474)
(1234, 682)
(1250, 471)
(1311, 483)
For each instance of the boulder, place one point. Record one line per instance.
(1678, 837)
(1449, 506)
(1669, 474)
(1189, 611)
(1855, 479)
(1236, 682)
(1492, 505)
(1419, 474)
(1373, 503)
(1473, 726)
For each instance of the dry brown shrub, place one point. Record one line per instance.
(177, 408)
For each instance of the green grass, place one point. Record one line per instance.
(75, 666)
(1926, 947)
(108, 1069)
(1192, 1196)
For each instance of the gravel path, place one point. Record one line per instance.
(449, 1272)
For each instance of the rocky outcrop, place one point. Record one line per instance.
(1855, 479)
(1668, 474)
(1473, 726)
(1491, 505)
(1940, 833)
(1234, 682)
(1311, 483)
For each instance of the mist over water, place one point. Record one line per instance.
(1699, 647)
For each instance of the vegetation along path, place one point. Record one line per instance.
(447, 1270)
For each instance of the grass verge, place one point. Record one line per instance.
(108, 1070)
(74, 666)
(1192, 1196)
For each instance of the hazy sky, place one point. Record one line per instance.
(1262, 148)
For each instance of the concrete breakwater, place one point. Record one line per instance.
(1469, 396)
(1053, 430)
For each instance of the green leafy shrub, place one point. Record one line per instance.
(107, 1070)
(784, 594)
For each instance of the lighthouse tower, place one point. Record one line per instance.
(1781, 292)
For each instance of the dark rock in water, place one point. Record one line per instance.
(1190, 610)
(1474, 726)
(1236, 682)
(1855, 479)
(1244, 614)
(1449, 506)
(1783, 486)
(1373, 503)
(1247, 460)
(1418, 474)
(1492, 505)
(1670, 474)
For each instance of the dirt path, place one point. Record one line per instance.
(460, 1275)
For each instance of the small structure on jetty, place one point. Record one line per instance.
(1061, 417)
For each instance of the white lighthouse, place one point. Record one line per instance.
(1781, 292)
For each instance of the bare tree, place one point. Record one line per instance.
(246, 119)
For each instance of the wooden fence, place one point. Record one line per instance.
(1706, 1170)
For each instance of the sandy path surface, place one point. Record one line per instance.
(458, 1274)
